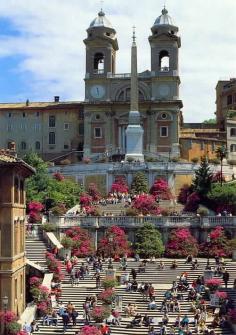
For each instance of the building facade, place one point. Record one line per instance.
(225, 100)
(52, 129)
(107, 93)
(13, 173)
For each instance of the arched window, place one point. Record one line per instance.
(233, 148)
(125, 95)
(98, 63)
(23, 145)
(37, 145)
(164, 61)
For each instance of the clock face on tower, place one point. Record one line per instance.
(164, 90)
(97, 91)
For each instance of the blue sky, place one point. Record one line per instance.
(42, 52)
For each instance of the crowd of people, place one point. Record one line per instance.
(201, 318)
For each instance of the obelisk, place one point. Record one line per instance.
(134, 131)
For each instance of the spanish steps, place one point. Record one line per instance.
(161, 280)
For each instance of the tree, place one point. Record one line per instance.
(36, 185)
(146, 204)
(221, 153)
(222, 198)
(210, 121)
(160, 189)
(149, 241)
(203, 177)
(120, 185)
(184, 193)
(50, 190)
(82, 242)
(192, 203)
(181, 243)
(115, 242)
(139, 183)
(93, 192)
(218, 245)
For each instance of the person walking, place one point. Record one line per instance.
(226, 277)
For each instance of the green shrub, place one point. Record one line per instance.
(13, 327)
(202, 211)
(49, 227)
(175, 159)
(131, 212)
(109, 283)
(130, 159)
(67, 242)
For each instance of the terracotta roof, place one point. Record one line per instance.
(37, 104)
(7, 159)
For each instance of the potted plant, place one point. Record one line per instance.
(100, 313)
(67, 243)
(13, 327)
(90, 330)
(107, 296)
(213, 284)
(109, 283)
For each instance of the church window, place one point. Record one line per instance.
(97, 117)
(164, 131)
(23, 114)
(121, 96)
(125, 95)
(233, 148)
(164, 61)
(23, 145)
(37, 145)
(52, 121)
(163, 116)
(52, 138)
(37, 114)
(66, 146)
(97, 132)
(229, 99)
(9, 114)
(108, 34)
(66, 126)
(81, 114)
(98, 63)
(9, 127)
(232, 132)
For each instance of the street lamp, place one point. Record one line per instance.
(5, 304)
(110, 239)
(208, 251)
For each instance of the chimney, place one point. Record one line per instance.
(56, 98)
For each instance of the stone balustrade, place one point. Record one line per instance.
(158, 221)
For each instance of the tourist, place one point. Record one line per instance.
(54, 317)
(189, 259)
(72, 276)
(34, 326)
(152, 304)
(185, 321)
(163, 329)
(174, 264)
(152, 331)
(146, 320)
(74, 316)
(133, 274)
(225, 278)
(27, 328)
(104, 329)
(70, 307)
(65, 320)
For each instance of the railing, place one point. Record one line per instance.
(137, 221)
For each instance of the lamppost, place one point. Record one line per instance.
(208, 251)
(5, 304)
(221, 153)
(110, 239)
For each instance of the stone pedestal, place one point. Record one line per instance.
(134, 142)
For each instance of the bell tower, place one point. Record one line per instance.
(101, 46)
(165, 44)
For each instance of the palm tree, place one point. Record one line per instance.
(221, 153)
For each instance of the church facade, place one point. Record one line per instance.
(107, 93)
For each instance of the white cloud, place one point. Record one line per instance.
(51, 43)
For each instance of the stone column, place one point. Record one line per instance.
(87, 134)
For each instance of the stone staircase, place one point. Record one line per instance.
(113, 210)
(35, 250)
(161, 280)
